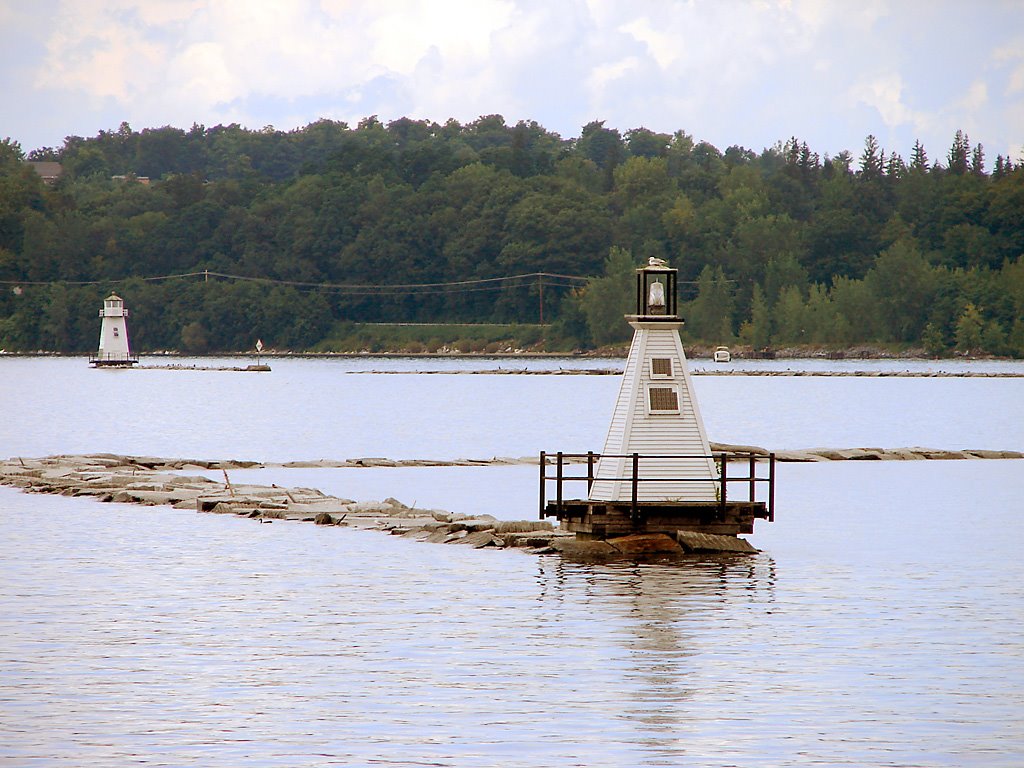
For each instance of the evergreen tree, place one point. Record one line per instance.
(919, 158)
(959, 154)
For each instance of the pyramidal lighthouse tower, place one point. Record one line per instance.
(656, 413)
(657, 473)
(113, 349)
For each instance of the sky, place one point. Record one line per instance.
(730, 72)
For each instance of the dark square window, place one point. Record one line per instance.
(664, 399)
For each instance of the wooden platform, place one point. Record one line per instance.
(604, 519)
(113, 362)
(631, 513)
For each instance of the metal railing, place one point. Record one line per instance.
(722, 461)
(113, 358)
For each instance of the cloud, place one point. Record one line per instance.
(750, 72)
(1011, 55)
(885, 95)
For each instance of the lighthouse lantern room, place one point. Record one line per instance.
(657, 472)
(114, 350)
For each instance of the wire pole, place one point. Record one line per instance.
(540, 290)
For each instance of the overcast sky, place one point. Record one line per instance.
(746, 72)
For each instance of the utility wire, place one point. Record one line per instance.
(528, 279)
(558, 280)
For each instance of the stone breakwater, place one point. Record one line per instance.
(870, 454)
(153, 481)
(801, 455)
(176, 367)
(709, 372)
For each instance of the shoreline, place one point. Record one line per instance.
(694, 353)
(701, 372)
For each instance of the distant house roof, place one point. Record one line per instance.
(132, 177)
(48, 170)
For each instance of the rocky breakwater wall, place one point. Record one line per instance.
(869, 454)
(154, 481)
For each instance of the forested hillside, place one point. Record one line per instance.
(217, 236)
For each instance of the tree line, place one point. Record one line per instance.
(415, 221)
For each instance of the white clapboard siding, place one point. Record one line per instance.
(636, 430)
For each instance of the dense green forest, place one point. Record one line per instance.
(217, 236)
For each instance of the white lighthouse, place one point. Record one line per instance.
(114, 349)
(656, 415)
(656, 474)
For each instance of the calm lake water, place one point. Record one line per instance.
(881, 625)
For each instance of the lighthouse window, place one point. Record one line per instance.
(661, 367)
(115, 331)
(663, 399)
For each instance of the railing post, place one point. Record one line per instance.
(722, 496)
(753, 490)
(771, 487)
(543, 482)
(590, 471)
(634, 512)
(558, 483)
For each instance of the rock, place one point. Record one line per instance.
(903, 454)
(328, 506)
(477, 539)
(418, 534)
(694, 542)
(271, 504)
(577, 549)
(481, 523)
(372, 462)
(795, 456)
(982, 454)
(324, 518)
(370, 507)
(827, 454)
(939, 455)
(522, 526)
(725, 447)
(646, 544)
(161, 498)
(235, 464)
(535, 538)
(437, 536)
(856, 454)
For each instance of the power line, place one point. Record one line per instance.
(527, 279)
(559, 280)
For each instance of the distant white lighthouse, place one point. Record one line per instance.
(114, 349)
(656, 414)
